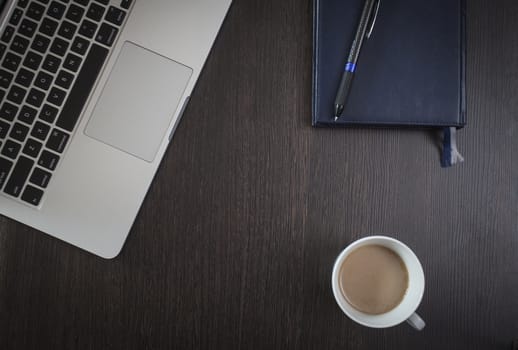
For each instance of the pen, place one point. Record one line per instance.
(369, 14)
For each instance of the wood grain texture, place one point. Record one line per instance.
(234, 244)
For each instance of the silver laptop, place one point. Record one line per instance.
(91, 92)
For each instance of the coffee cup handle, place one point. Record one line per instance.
(415, 321)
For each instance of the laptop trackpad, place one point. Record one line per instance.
(138, 101)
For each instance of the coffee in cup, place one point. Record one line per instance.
(379, 282)
(373, 279)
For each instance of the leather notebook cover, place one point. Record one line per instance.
(411, 71)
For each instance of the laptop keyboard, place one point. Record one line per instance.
(51, 53)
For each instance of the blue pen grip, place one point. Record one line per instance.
(344, 88)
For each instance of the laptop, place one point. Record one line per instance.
(91, 92)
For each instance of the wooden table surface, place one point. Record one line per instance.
(235, 242)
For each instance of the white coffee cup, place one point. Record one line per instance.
(405, 311)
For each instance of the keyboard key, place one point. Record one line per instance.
(82, 2)
(48, 113)
(35, 11)
(24, 77)
(19, 45)
(8, 34)
(59, 47)
(75, 13)
(56, 10)
(19, 176)
(11, 61)
(40, 131)
(95, 12)
(8, 111)
(15, 17)
(5, 78)
(4, 128)
(88, 28)
(64, 79)
(72, 62)
(51, 63)
(11, 149)
(5, 168)
(48, 160)
(32, 148)
(57, 141)
(27, 115)
(67, 30)
(46, 1)
(19, 132)
(32, 195)
(27, 28)
(56, 96)
(125, 4)
(115, 15)
(40, 177)
(107, 34)
(32, 60)
(48, 26)
(80, 45)
(82, 87)
(3, 47)
(23, 3)
(40, 43)
(104, 2)
(35, 97)
(43, 81)
(16, 94)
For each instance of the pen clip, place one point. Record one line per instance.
(373, 21)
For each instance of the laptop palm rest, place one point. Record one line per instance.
(138, 101)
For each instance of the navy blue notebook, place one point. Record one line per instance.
(411, 71)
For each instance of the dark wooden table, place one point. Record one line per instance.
(234, 245)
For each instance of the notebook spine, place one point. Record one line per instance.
(463, 54)
(314, 104)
